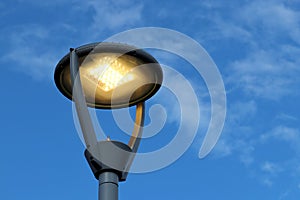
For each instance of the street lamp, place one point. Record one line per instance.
(108, 76)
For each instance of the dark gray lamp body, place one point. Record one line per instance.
(93, 75)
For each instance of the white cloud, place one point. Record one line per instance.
(235, 139)
(271, 17)
(270, 168)
(241, 111)
(282, 133)
(269, 74)
(288, 137)
(245, 150)
(226, 30)
(266, 67)
(112, 15)
(28, 53)
(286, 117)
(254, 20)
(285, 134)
(267, 182)
(222, 149)
(269, 34)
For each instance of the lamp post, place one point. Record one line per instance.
(108, 76)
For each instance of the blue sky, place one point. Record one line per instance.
(255, 44)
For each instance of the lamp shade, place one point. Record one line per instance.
(112, 75)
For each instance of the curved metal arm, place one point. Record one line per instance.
(83, 114)
(135, 139)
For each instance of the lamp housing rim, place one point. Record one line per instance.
(108, 47)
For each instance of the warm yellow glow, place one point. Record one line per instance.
(110, 73)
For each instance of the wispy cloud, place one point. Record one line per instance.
(243, 140)
(270, 167)
(287, 139)
(35, 48)
(269, 31)
(269, 74)
(285, 134)
(268, 173)
(112, 15)
(288, 164)
(236, 138)
(286, 117)
(265, 68)
(273, 18)
(222, 149)
(28, 53)
(267, 182)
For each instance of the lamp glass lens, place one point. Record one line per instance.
(114, 80)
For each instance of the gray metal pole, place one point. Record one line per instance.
(108, 186)
(84, 117)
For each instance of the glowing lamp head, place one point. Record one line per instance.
(112, 75)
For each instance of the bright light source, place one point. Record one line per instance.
(109, 73)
